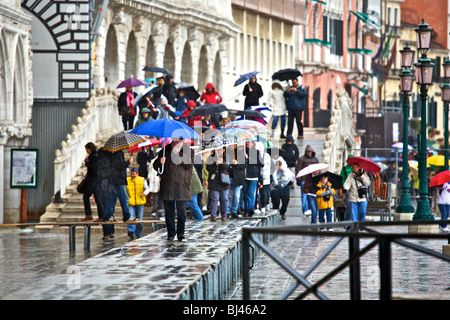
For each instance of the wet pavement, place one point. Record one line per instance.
(413, 273)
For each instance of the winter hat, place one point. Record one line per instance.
(289, 138)
(192, 104)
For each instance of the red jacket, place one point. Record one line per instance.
(187, 112)
(211, 97)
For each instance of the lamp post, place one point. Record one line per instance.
(445, 95)
(423, 73)
(406, 83)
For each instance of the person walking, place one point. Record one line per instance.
(325, 192)
(218, 188)
(308, 158)
(210, 95)
(144, 157)
(137, 190)
(291, 152)
(117, 190)
(280, 190)
(126, 107)
(356, 184)
(237, 178)
(295, 104)
(252, 92)
(277, 102)
(264, 187)
(443, 203)
(93, 184)
(196, 189)
(175, 163)
(252, 176)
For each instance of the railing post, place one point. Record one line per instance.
(385, 269)
(72, 240)
(245, 265)
(355, 272)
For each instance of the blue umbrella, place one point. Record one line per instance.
(166, 128)
(245, 77)
(132, 82)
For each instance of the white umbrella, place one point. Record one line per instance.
(312, 168)
(143, 93)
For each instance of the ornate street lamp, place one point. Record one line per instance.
(406, 84)
(445, 95)
(424, 73)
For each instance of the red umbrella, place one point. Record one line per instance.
(364, 163)
(148, 142)
(440, 179)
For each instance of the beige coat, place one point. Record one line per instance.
(350, 185)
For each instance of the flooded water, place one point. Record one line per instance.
(27, 257)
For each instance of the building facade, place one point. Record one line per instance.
(16, 97)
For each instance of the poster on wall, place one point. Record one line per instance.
(24, 168)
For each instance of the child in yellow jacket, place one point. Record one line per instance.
(137, 190)
(325, 194)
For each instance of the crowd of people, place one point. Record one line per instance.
(239, 180)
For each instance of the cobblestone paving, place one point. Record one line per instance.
(412, 271)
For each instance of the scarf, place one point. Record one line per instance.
(130, 101)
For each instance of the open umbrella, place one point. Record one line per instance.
(208, 109)
(258, 127)
(189, 91)
(122, 140)
(215, 143)
(286, 74)
(333, 178)
(143, 93)
(436, 160)
(250, 113)
(245, 77)
(312, 168)
(399, 145)
(364, 163)
(440, 179)
(238, 135)
(267, 113)
(132, 82)
(156, 69)
(166, 128)
(148, 142)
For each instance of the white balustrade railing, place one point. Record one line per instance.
(98, 120)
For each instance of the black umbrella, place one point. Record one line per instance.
(208, 109)
(286, 74)
(250, 113)
(333, 178)
(189, 92)
(156, 69)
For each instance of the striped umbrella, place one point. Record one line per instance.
(122, 140)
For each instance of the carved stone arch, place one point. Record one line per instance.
(151, 55)
(132, 69)
(203, 68)
(20, 95)
(186, 64)
(169, 56)
(111, 58)
(3, 72)
(217, 72)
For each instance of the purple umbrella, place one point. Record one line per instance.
(132, 82)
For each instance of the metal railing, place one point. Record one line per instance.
(352, 233)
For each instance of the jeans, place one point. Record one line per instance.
(327, 212)
(216, 197)
(444, 209)
(195, 209)
(282, 122)
(115, 192)
(304, 199)
(138, 213)
(264, 196)
(169, 211)
(358, 210)
(312, 205)
(235, 197)
(249, 194)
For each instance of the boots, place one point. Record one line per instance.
(282, 136)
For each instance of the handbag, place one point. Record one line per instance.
(126, 111)
(224, 179)
(81, 188)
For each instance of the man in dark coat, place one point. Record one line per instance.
(237, 177)
(252, 93)
(175, 161)
(144, 157)
(295, 104)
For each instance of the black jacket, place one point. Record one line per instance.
(252, 98)
(291, 152)
(214, 175)
(92, 177)
(254, 164)
(118, 168)
(122, 101)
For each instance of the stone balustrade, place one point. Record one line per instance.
(98, 120)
